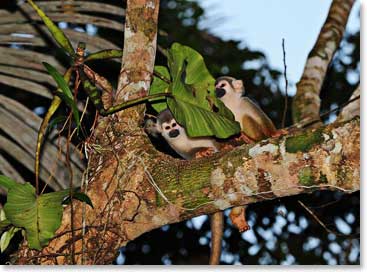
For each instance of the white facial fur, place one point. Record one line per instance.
(182, 143)
(233, 96)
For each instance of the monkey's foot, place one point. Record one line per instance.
(238, 218)
(205, 152)
(244, 138)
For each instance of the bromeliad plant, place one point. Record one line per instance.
(186, 87)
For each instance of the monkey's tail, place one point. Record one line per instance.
(216, 226)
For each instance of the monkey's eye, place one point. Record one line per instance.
(167, 127)
(222, 85)
(174, 124)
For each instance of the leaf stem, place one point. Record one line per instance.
(133, 102)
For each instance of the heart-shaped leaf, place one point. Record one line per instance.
(40, 216)
(193, 102)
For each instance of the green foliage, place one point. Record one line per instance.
(79, 196)
(40, 216)
(193, 102)
(105, 54)
(6, 237)
(64, 91)
(158, 86)
(58, 35)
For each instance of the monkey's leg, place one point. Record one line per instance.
(252, 129)
(216, 226)
(238, 218)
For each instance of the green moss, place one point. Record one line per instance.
(305, 176)
(303, 142)
(183, 185)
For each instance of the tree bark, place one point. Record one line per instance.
(306, 103)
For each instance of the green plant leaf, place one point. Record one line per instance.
(105, 54)
(56, 32)
(55, 103)
(6, 237)
(7, 182)
(194, 104)
(3, 224)
(39, 216)
(63, 91)
(159, 86)
(79, 196)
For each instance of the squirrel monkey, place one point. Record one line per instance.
(188, 148)
(175, 135)
(255, 124)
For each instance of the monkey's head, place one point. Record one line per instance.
(228, 89)
(165, 125)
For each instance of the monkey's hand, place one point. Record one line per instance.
(205, 152)
(279, 133)
(238, 218)
(244, 138)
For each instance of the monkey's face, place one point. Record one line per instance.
(171, 130)
(229, 91)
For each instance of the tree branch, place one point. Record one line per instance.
(306, 103)
(162, 190)
(352, 109)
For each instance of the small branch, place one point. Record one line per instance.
(162, 77)
(286, 88)
(352, 108)
(132, 103)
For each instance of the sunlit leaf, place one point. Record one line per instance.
(159, 86)
(6, 237)
(193, 102)
(40, 216)
(56, 32)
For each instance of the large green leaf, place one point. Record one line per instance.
(56, 32)
(40, 216)
(193, 102)
(159, 86)
(64, 91)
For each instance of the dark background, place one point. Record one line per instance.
(282, 232)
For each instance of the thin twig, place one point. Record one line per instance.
(286, 87)
(322, 224)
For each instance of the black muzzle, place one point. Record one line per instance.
(174, 133)
(220, 92)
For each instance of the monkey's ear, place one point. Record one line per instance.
(238, 85)
(151, 127)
